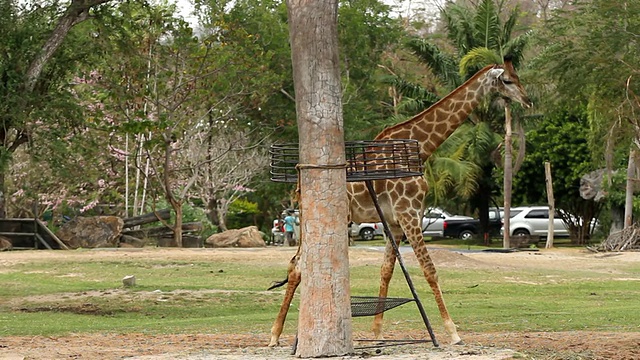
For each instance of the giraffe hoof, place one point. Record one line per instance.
(459, 342)
(274, 344)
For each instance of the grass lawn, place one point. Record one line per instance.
(76, 293)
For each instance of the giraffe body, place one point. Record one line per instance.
(402, 200)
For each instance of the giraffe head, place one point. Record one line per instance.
(505, 80)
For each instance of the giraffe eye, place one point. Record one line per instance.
(507, 82)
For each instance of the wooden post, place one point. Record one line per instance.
(551, 201)
(628, 203)
(508, 179)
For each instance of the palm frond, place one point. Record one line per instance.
(455, 175)
(459, 23)
(414, 91)
(441, 64)
(476, 59)
(487, 25)
(482, 141)
(516, 47)
(509, 25)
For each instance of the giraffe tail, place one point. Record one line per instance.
(277, 284)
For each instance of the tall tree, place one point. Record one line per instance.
(324, 260)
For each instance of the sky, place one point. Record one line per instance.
(404, 6)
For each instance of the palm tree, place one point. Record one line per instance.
(480, 37)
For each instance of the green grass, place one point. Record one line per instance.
(58, 297)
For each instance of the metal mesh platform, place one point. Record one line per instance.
(366, 160)
(372, 305)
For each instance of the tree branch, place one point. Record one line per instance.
(77, 12)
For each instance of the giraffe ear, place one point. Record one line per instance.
(495, 73)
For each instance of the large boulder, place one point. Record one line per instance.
(246, 237)
(91, 232)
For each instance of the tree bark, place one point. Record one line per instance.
(324, 325)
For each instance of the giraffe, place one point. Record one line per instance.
(402, 200)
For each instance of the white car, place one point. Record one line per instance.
(366, 231)
(534, 220)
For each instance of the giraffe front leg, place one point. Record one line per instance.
(413, 230)
(386, 272)
(429, 270)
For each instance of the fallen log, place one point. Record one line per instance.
(164, 214)
(132, 241)
(156, 231)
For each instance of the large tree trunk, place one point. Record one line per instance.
(324, 325)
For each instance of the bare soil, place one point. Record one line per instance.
(478, 346)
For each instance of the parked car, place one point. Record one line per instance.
(467, 228)
(366, 231)
(433, 221)
(534, 220)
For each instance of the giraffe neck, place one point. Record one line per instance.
(434, 125)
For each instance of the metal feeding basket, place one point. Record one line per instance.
(366, 160)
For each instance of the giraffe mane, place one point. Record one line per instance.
(436, 104)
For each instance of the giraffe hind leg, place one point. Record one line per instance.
(386, 273)
(292, 281)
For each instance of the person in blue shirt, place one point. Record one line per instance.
(289, 223)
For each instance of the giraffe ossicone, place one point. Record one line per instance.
(402, 200)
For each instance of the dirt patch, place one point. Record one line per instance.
(478, 346)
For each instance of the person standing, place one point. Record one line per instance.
(289, 224)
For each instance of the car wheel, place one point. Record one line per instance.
(466, 234)
(366, 234)
(520, 232)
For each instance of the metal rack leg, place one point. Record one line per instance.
(423, 314)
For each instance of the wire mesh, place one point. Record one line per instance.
(373, 305)
(366, 160)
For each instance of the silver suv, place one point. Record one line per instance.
(534, 220)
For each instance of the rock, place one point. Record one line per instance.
(5, 243)
(246, 237)
(129, 280)
(91, 232)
